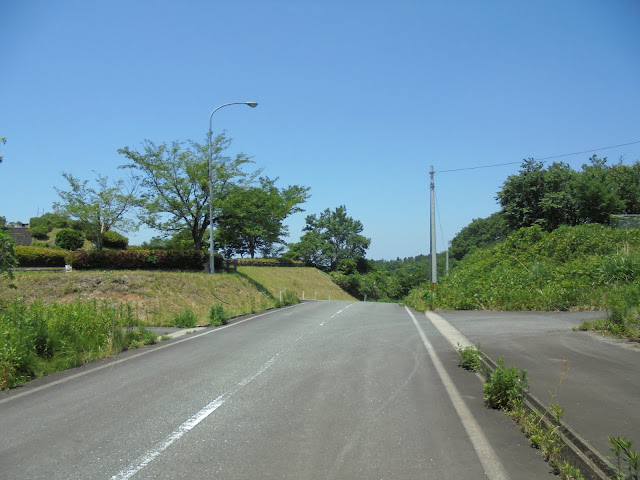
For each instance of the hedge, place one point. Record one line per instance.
(39, 257)
(113, 239)
(265, 262)
(138, 260)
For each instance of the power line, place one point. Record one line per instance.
(539, 159)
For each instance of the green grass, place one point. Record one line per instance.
(38, 339)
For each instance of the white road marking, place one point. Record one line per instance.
(488, 458)
(151, 455)
(194, 420)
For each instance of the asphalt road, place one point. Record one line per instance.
(322, 390)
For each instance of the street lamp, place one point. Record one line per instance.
(252, 105)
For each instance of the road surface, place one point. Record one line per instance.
(320, 390)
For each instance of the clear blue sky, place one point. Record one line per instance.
(357, 98)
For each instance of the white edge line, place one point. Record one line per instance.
(487, 455)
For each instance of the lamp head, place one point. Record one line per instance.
(252, 104)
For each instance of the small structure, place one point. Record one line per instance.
(21, 235)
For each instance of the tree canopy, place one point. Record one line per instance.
(175, 180)
(330, 238)
(560, 195)
(98, 209)
(480, 233)
(252, 217)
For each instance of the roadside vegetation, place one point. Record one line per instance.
(53, 321)
(40, 339)
(586, 267)
(505, 388)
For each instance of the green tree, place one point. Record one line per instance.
(539, 196)
(252, 217)
(596, 193)
(100, 209)
(480, 233)
(626, 179)
(175, 179)
(332, 237)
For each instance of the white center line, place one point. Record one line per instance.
(194, 420)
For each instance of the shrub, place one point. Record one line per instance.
(505, 386)
(69, 239)
(186, 319)
(39, 257)
(218, 315)
(469, 358)
(114, 240)
(40, 232)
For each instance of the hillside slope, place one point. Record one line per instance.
(157, 297)
(307, 283)
(571, 268)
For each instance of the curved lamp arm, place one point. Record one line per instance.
(211, 257)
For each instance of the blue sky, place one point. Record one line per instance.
(356, 98)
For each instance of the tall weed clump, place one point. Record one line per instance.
(37, 339)
(505, 387)
(218, 315)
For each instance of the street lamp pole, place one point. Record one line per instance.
(211, 257)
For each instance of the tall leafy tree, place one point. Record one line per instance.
(596, 193)
(561, 196)
(175, 179)
(539, 196)
(331, 237)
(626, 179)
(252, 217)
(99, 209)
(480, 233)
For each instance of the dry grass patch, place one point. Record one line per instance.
(314, 283)
(157, 297)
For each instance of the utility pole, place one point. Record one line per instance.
(434, 256)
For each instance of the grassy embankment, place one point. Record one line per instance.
(588, 267)
(55, 320)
